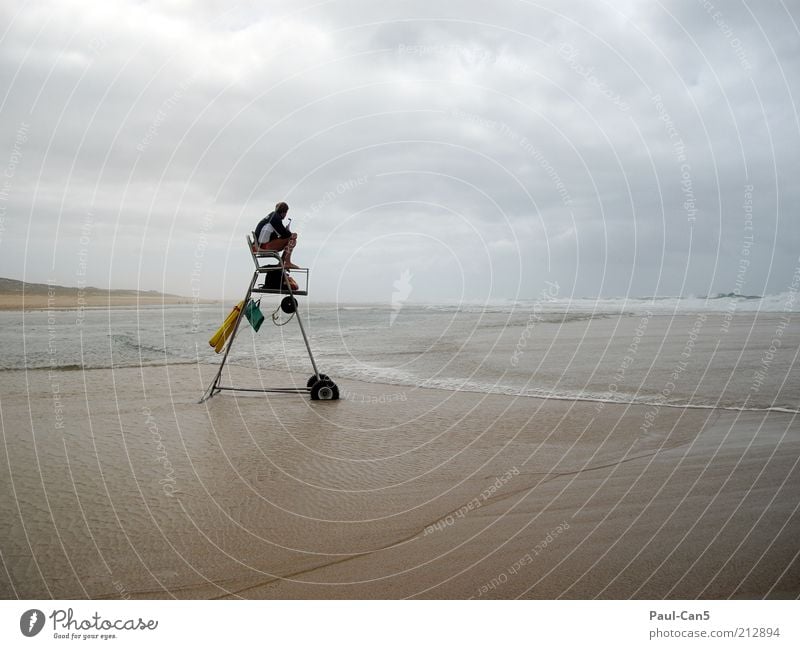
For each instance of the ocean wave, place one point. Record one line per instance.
(403, 378)
(632, 305)
(372, 307)
(133, 342)
(75, 367)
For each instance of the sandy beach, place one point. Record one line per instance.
(117, 483)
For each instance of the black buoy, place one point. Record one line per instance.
(288, 304)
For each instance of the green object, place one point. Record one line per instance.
(253, 314)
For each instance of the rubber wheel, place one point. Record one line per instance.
(288, 304)
(313, 379)
(324, 391)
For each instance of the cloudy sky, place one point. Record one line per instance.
(483, 149)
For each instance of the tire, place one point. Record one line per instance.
(313, 379)
(324, 391)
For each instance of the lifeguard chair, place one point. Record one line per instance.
(276, 282)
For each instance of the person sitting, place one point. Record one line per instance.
(272, 234)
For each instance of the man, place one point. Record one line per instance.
(272, 234)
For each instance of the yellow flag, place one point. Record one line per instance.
(222, 334)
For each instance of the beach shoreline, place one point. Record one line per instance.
(60, 302)
(125, 486)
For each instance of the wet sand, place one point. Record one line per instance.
(118, 484)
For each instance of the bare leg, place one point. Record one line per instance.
(287, 252)
(287, 245)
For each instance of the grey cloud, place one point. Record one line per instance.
(524, 137)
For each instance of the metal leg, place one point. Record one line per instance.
(214, 387)
(299, 320)
(305, 339)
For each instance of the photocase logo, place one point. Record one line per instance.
(31, 622)
(402, 290)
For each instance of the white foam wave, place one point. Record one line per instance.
(396, 377)
(781, 302)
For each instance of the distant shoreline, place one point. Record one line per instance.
(17, 302)
(16, 295)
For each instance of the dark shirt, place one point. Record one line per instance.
(276, 221)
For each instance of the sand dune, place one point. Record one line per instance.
(16, 295)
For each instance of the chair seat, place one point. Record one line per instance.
(273, 254)
(278, 291)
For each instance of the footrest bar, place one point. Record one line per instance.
(290, 390)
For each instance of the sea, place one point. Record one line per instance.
(728, 352)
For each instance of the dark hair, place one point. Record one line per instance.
(281, 208)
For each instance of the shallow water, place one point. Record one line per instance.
(712, 353)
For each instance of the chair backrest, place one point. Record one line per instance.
(257, 254)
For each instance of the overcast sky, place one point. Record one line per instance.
(479, 148)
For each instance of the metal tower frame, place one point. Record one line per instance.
(318, 385)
